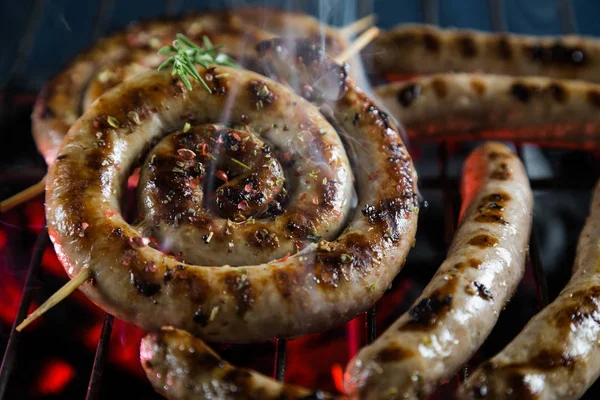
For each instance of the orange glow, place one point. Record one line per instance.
(35, 215)
(124, 345)
(10, 297)
(54, 377)
(337, 373)
(3, 238)
(51, 264)
(134, 179)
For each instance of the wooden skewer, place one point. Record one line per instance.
(57, 297)
(358, 26)
(358, 44)
(25, 195)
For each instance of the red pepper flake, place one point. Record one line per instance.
(284, 258)
(194, 182)
(243, 205)
(315, 200)
(150, 268)
(203, 147)
(236, 136)
(154, 242)
(84, 226)
(186, 154)
(220, 174)
(303, 197)
(287, 156)
(96, 123)
(307, 181)
(248, 188)
(110, 213)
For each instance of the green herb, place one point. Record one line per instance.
(241, 164)
(346, 258)
(186, 127)
(112, 121)
(184, 53)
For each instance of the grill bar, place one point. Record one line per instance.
(497, 16)
(558, 183)
(15, 337)
(100, 358)
(371, 324)
(430, 11)
(447, 193)
(280, 359)
(568, 22)
(534, 255)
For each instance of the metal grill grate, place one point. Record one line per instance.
(443, 182)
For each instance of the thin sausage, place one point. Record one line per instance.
(460, 306)
(556, 355)
(182, 367)
(426, 49)
(544, 111)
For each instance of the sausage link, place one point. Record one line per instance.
(425, 49)
(460, 306)
(549, 112)
(556, 355)
(182, 367)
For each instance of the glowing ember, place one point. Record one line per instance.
(3, 238)
(337, 372)
(55, 375)
(134, 179)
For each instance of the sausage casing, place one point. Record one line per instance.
(460, 306)
(556, 356)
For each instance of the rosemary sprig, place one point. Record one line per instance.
(184, 53)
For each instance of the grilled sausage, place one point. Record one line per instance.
(549, 112)
(426, 49)
(133, 50)
(460, 306)
(181, 367)
(556, 355)
(322, 285)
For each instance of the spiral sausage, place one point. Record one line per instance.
(556, 354)
(180, 366)
(461, 304)
(549, 112)
(133, 50)
(325, 283)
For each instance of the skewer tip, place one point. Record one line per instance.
(360, 43)
(56, 298)
(23, 196)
